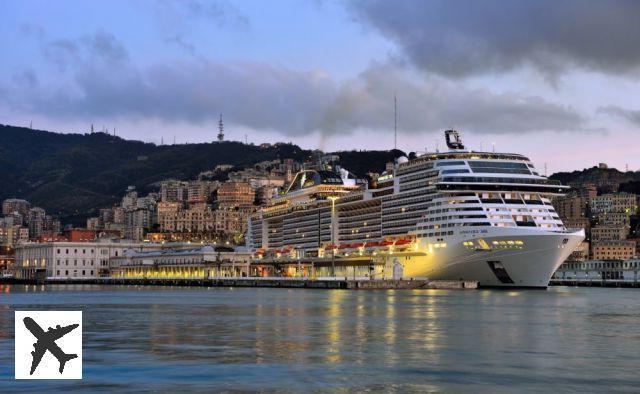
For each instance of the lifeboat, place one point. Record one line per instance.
(386, 243)
(373, 244)
(403, 242)
(330, 247)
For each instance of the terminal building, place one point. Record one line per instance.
(204, 262)
(70, 259)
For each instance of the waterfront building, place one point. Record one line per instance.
(6, 263)
(612, 219)
(614, 250)
(614, 203)
(596, 270)
(609, 233)
(203, 262)
(70, 259)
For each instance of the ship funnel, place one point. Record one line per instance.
(453, 139)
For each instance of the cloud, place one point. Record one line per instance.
(252, 94)
(26, 78)
(221, 12)
(102, 46)
(178, 19)
(270, 98)
(183, 12)
(632, 116)
(462, 38)
(105, 46)
(61, 52)
(430, 104)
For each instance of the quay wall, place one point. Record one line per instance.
(595, 282)
(265, 282)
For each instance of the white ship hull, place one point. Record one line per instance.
(530, 265)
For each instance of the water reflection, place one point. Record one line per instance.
(181, 339)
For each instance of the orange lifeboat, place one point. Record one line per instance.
(403, 242)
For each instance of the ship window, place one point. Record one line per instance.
(499, 167)
(450, 163)
(459, 171)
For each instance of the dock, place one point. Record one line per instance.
(273, 282)
(595, 283)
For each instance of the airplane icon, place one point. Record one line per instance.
(46, 340)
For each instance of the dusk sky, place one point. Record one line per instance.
(556, 80)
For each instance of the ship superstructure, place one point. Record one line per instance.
(459, 214)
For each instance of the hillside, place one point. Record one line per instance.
(72, 175)
(606, 179)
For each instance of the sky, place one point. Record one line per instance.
(556, 80)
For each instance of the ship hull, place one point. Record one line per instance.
(530, 264)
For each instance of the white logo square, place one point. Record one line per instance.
(48, 344)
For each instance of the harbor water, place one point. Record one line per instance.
(272, 339)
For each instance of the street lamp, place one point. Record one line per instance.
(333, 244)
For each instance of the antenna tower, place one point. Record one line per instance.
(220, 130)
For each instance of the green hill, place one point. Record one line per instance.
(73, 175)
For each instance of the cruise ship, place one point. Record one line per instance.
(454, 215)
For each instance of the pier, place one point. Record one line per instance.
(322, 283)
(596, 282)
